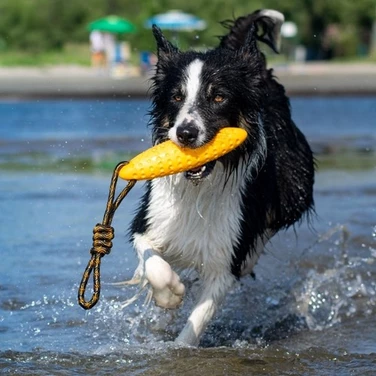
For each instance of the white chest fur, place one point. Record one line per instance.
(196, 226)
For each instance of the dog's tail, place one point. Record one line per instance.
(267, 23)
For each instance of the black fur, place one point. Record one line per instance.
(280, 191)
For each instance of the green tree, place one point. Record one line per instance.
(40, 25)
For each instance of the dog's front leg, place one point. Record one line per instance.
(215, 289)
(167, 290)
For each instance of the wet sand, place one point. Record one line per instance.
(74, 81)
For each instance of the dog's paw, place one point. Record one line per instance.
(167, 289)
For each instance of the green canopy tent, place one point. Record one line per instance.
(117, 54)
(112, 24)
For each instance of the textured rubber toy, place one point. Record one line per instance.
(167, 158)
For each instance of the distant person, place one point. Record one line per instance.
(98, 49)
(109, 42)
(147, 62)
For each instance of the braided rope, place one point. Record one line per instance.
(103, 234)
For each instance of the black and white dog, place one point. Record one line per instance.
(217, 218)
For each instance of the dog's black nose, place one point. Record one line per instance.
(187, 134)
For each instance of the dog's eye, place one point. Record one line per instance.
(177, 98)
(219, 98)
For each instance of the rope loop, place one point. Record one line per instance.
(103, 234)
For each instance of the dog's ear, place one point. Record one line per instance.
(165, 48)
(267, 23)
(249, 48)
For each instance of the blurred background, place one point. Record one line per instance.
(56, 31)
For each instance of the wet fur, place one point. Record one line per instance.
(219, 225)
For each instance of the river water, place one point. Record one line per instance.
(310, 310)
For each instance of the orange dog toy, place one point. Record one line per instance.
(167, 158)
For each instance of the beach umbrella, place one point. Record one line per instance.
(176, 20)
(112, 24)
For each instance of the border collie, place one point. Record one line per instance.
(217, 218)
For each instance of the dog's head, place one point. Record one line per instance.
(195, 94)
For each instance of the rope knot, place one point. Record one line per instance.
(102, 236)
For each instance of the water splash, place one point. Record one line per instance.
(328, 296)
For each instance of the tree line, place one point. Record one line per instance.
(327, 28)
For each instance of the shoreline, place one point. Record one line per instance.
(305, 79)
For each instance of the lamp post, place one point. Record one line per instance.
(289, 30)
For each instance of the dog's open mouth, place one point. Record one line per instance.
(201, 172)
